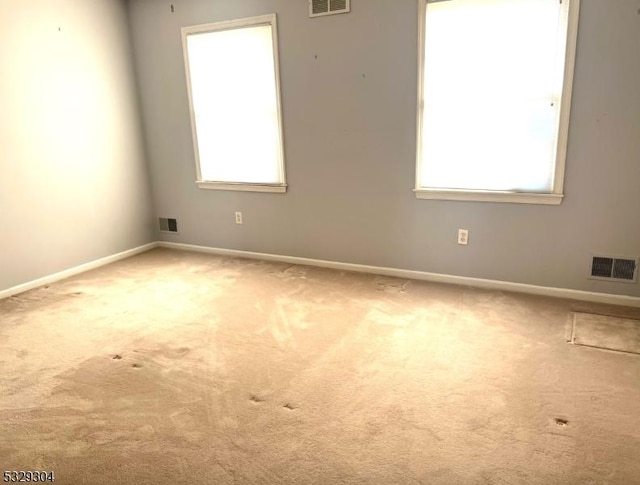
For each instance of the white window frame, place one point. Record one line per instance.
(269, 19)
(555, 196)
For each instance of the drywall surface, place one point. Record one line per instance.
(74, 181)
(349, 86)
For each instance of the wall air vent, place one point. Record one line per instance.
(613, 268)
(318, 8)
(168, 225)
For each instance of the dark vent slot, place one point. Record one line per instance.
(338, 5)
(602, 267)
(612, 268)
(624, 269)
(168, 225)
(320, 6)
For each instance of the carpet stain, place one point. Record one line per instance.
(294, 272)
(391, 285)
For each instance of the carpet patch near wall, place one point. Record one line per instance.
(606, 332)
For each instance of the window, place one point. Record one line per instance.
(234, 94)
(494, 96)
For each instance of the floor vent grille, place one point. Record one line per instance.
(328, 7)
(613, 268)
(168, 225)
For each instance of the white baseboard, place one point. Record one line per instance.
(421, 275)
(359, 268)
(46, 280)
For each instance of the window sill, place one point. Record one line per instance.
(242, 187)
(489, 196)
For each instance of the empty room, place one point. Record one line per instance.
(320, 242)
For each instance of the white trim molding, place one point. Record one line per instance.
(275, 188)
(489, 196)
(607, 298)
(52, 278)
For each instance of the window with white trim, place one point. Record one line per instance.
(234, 95)
(495, 83)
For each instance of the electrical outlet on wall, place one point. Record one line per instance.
(238, 217)
(463, 236)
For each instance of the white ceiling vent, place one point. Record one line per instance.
(318, 8)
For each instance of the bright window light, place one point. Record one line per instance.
(232, 72)
(492, 95)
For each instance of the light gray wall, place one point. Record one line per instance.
(73, 176)
(349, 126)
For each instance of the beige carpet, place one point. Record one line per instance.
(180, 368)
(606, 332)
